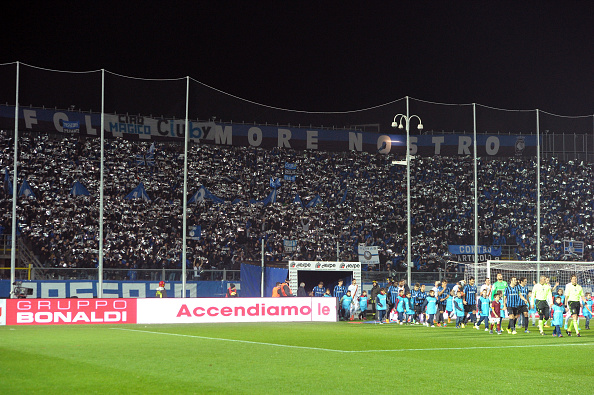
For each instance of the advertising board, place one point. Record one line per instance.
(210, 310)
(70, 311)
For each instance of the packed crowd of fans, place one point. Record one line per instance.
(361, 198)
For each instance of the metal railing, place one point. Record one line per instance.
(58, 273)
(25, 256)
(416, 277)
(214, 275)
(5, 245)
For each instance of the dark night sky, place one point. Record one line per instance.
(331, 57)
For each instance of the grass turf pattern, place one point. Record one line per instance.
(288, 358)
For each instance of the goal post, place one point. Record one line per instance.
(556, 271)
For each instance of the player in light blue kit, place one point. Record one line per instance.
(558, 311)
(532, 308)
(345, 303)
(410, 308)
(401, 306)
(363, 299)
(450, 308)
(459, 309)
(587, 309)
(431, 309)
(484, 307)
(381, 304)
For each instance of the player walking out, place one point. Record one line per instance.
(470, 301)
(558, 311)
(511, 301)
(417, 301)
(587, 309)
(382, 304)
(339, 292)
(496, 313)
(573, 299)
(363, 299)
(499, 285)
(532, 309)
(483, 308)
(442, 297)
(392, 294)
(459, 309)
(431, 308)
(524, 302)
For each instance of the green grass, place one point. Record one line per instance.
(254, 358)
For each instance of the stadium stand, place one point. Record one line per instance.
(352, 197)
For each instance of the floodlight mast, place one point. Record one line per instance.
(397, 123)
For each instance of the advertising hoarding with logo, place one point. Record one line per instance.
(70, 311)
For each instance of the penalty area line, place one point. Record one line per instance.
(357, 351)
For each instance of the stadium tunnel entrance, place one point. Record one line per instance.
(330, 279)
(312, 272)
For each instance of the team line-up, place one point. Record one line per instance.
(465, 302)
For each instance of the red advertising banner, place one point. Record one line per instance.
(70, 311)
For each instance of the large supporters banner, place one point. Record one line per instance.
(465, 253)
(70, 311)
(263, 136)
(212, 310)
(368, 254)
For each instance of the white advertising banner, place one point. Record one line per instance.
(211, 310)
(2, 311)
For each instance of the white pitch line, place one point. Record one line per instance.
(231, 340)
(360, 351)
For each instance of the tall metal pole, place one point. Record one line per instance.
(14, 183)
(262, 274)
(475, 195)
(100, 263)
(537, 195)
(185, 199)
(408, 226)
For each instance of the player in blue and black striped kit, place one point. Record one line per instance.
(442, 297)
(470, 301)
(339, 292)
(392, 296)
(524, 302)
(511, 301)
(418, 297)
(319, 290)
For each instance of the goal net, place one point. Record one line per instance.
(556, 271)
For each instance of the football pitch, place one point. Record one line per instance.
(289, 358)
